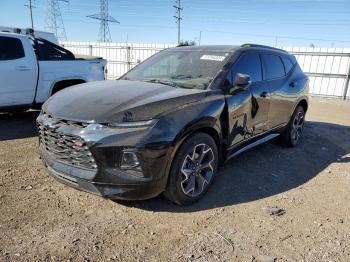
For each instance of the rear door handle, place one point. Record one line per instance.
(23, 68)
(293, 84)
(263, 94)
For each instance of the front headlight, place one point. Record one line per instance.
(94, 127)
(136, 124)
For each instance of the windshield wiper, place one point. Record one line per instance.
(163, 82)
(181, 76)
(170, 83)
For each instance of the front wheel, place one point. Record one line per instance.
(294, 130)
(192, 170)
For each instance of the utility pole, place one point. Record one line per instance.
(200, 38)
(54, 20)
(178, 18)
(105, 18)
(30, 6)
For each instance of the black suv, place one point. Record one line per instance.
(166, 125)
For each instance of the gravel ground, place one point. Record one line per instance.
(269, 204)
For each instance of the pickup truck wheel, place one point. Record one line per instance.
(192, 170)
(294, 130)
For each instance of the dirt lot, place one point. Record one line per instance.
(42, 219)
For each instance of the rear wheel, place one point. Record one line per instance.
(294, 130)
(192, 170)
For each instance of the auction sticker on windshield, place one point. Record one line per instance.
(213, 57)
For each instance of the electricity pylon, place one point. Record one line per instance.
(54, 21)
(105, 18)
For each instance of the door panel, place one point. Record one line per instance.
(260, 106)
(239, 113)
(18, 73)
(282, 95)
(281, 102)
(248, 109)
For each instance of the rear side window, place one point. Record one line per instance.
(249, 64)
(288, 65)
(48, 51)
(274, 67)
(10, 48)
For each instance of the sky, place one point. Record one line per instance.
(282, 22)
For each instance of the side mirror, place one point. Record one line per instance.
(242, 82)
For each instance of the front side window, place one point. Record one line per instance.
(248, 64)
(10, 48)
(274, 67)
(180, 68)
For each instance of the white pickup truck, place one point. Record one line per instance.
(32, 69)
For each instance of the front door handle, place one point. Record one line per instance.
(23, 68)
(263, 94)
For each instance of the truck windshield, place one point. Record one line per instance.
(180, 68)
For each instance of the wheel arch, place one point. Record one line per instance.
(64, 83)
(303, 102)
(209, 126)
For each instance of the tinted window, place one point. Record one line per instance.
(249, 64)
(288, 65)
(10, 48)
(49, 51)
(273, 66)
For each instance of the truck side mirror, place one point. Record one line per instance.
(242, 82)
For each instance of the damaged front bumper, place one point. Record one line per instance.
(87, 180)
(90, 160)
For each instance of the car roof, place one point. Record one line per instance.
(230, 48)
(213, 48)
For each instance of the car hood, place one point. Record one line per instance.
(118, 100)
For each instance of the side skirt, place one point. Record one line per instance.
(252, 145)
(253, 142)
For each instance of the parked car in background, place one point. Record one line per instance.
(32, 69)
(168, 124)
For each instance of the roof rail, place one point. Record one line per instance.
(29, 31)
(262, 46)
(11, 30)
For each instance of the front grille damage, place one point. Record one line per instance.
(65, 122)
(68, 149)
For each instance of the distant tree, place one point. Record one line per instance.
(187, 43)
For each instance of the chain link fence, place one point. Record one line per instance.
(327, 68)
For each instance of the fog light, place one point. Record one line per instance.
(130, 161)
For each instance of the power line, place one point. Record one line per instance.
(30, 6)
(54, 21)
(178, 19)
(332, 22)
(105, 18)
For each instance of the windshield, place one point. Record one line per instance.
(180, 68)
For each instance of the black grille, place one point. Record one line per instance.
(65, 148)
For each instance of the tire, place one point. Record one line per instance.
(293, 133)
(192, 170)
